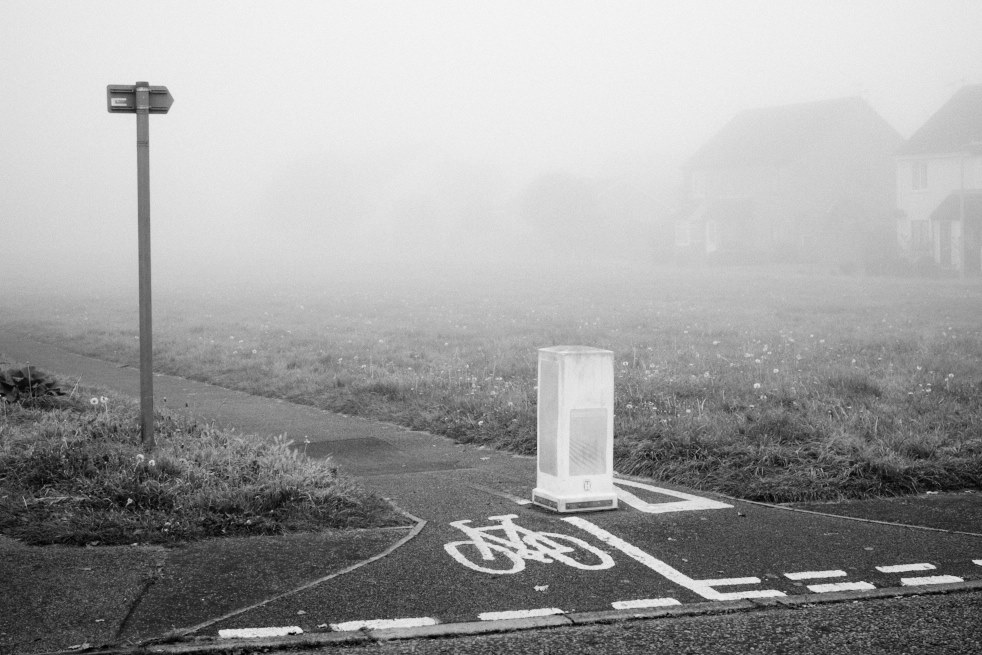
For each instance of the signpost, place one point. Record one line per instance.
(142, 99)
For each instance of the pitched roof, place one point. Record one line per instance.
(952, 128)
(776, 135)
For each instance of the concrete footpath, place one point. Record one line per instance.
(478, 558)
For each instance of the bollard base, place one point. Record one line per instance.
(564, 504)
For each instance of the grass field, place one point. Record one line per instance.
(765, 384)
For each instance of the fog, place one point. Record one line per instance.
(308, 138)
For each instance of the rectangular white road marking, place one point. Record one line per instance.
(688, 503)
(643, 602)
(724, 582)
(840, 586)
(930, 579)
(739, 595)
(256, 633)
(702, 587)
(814, 575)
(977, 561)
(903, 568)
(519, 614)
(382, 624)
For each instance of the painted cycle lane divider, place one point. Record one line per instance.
(705, 588)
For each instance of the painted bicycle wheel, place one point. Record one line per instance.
(468, 554)
(571, 551)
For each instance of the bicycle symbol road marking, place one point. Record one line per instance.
(487, 552)
(505, 547)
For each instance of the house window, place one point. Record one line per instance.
(919, 175)
(683, 237)
(920, 236)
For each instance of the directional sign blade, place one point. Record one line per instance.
(121, 99)
(160, 100)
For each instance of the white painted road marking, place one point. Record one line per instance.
(519, 544)
(814, 575)
(255, 633)
(904, 568)
(519, 614)
(701, 587)
(977, 561)
(840, 586)
(729, 582)
(929, 579)
(643, 602)
(688, 503)
(382, 624)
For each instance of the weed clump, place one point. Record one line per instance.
(72, 472)
(27, 384)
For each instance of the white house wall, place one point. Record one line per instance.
(945, 174)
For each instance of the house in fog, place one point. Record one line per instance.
(939, 186)
(805, 182)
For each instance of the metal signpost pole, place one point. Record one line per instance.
(143, 227)
(142, 99)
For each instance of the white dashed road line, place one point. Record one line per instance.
(382, 624)
(727, 582)
(904, 568)
(519, 614)
(814, 575)
(840, 586)
(643, 603)
(930, 579)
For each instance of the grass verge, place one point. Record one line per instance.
(763, 385)
(72, 472)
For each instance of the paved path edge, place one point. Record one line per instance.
(213, 646)
(413, 533)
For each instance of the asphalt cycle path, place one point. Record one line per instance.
(483, 553)
(667, 551)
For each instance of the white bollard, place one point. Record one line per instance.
(575, 429)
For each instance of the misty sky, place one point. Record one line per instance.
(326, 127)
